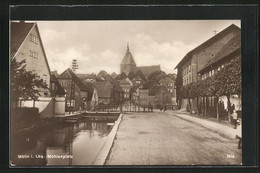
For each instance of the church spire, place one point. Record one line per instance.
(127, 47)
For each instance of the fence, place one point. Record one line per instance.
(121, 108)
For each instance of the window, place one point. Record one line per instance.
(171, 90)
(189, 68)
(212, 72)
(34, 39)
(218, 68)
(33, 54)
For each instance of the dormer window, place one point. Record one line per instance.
(33, 54)
(34, 39)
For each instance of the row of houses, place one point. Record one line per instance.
(206, 60)
(84, 91)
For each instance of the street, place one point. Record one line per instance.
(160, 138)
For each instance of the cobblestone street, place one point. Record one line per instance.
(160, 138)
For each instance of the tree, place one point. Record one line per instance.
(113, 75)
(24, 84)
(131, 75)
(140, 74)
(103, 74)
(155, 74)
(178, 84)
(229, 80)
(121, 76)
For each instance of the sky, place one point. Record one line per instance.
(101, 45)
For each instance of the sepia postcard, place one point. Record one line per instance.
(125, 92)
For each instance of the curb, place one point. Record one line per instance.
(217, 130)
(102, 155)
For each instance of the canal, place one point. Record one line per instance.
(65, 143)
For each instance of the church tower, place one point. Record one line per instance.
(128, 62)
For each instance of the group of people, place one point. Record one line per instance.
(163, 108)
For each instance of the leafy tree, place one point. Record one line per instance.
(113, 75)
(121, 76)
(229, 80)
(178, 84)
(140, 74)
(154, 75)
(24, 84)
(131, 75)
(102, 74)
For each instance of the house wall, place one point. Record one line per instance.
(48, 107)
(37, 65)
(199, 59)
(78, 95)
(169, 84)
(162, 96)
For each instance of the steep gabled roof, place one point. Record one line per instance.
(60, 90)
(161, 76)
(103, 90)
(55, 73)
(90, 87)
(68, 74)
(223, 33)
(128, 58)
(19, 32)
(149, 84)
(147, 70)
(233, 46)
(136, 87)
(155, 88)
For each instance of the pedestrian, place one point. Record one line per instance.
(165, 108)
(239, 133)
(234, 118)
(161, 108)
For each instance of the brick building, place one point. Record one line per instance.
(169, 83)
(196, 59)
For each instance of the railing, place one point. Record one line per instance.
(121, 108)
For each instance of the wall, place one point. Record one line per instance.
(162, 96)
(48, 107)
(59, 106)
(202, 57)
(41, 103)
(169, 84)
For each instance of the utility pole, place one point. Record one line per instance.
(74, 65)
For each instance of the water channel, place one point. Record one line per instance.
(77, 143)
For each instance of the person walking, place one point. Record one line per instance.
(164, 106)
(234, 118)
(239, 134)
